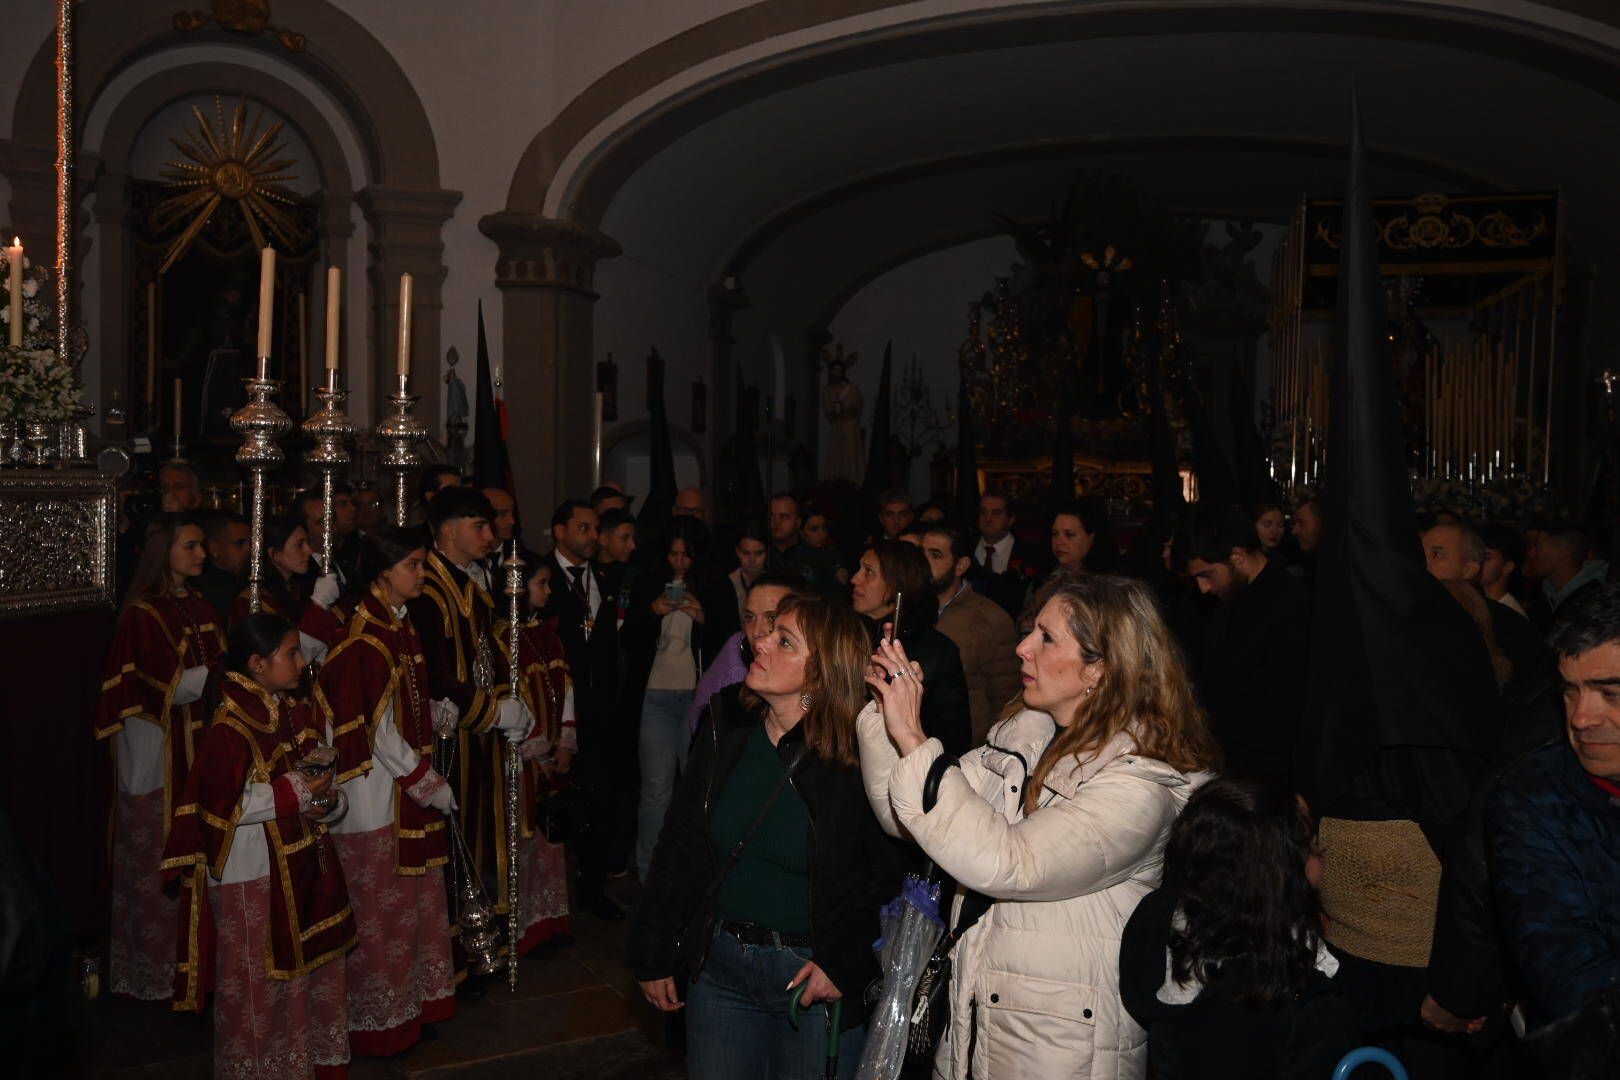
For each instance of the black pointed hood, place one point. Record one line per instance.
(1401, 705)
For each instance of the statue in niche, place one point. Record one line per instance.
(841, 404)
(215, 356)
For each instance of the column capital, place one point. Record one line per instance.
(541, 252)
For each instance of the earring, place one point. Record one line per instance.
(1089, 689)
(805, 701)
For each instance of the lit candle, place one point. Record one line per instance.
(334, 290)
(404, 327)
(267, 301)
(14, 256)
(178, 399)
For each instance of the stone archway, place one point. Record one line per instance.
(573, 169)
(399, 193)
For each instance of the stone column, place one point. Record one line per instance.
(406, 237)
(721, 376)
(545, 270)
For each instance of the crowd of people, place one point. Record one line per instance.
(1094, 746)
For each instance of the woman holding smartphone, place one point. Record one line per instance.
(260, 884)
(661, 639)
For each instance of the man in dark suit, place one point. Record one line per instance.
(585, 610)
(1252, 679)
(1003, 565)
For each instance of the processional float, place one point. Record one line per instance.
(1480, 367)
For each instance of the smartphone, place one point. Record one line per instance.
(675, 592)
(894, 620)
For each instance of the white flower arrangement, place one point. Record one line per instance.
(35, 385)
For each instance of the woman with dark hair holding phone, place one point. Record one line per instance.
(264, 910)
(165, 650)
(372, 695)
(662, 640)
(1224, 964)
(894, 574)
(769, 871)
(547, 753)
(287, 589)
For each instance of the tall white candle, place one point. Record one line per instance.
(334, 292)
(267, 298)
(404, 326)
(14, 257)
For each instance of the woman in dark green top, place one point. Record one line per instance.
(799, 905)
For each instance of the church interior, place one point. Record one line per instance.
(758, 237)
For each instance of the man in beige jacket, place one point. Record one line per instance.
(983, 632)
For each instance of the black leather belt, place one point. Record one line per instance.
(754, 934)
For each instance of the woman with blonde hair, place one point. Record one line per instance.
(1054, 829)
(769, 872)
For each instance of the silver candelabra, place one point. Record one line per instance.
(260, 423)
(400, 431)
(330, 429)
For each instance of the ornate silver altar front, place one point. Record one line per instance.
(56, 541)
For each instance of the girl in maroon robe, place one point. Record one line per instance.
(287, 589)
(264, 916)
(163, 652)
(372, 693)
(547, 753)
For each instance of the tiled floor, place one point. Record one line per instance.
(576, 1013)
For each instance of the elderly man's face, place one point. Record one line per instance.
(1592, 708)
(180, 491)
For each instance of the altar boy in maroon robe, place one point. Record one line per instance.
(470, 702)
(373, 694)
(547, 753)
(164, 652)
(264, 911)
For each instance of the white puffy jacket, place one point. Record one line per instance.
(1035, 983)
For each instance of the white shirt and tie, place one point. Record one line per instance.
(573, 573)
(994, 557)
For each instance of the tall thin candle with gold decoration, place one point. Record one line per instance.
(267, 301)
(404, 328)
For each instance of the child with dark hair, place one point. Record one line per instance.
(264, 909)
(372, 694)
(1224, 964)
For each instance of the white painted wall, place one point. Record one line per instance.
(922, 307)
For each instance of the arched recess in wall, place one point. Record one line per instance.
(397, 186)
(626, 450)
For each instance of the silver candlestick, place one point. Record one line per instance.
(401, 431)
(260, 423)
(330, 429)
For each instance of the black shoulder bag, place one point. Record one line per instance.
(931, 1003)
(692, 947)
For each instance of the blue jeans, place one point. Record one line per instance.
(737, 1019)
(665, 738)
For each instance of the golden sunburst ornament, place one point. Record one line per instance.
(236, 163)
